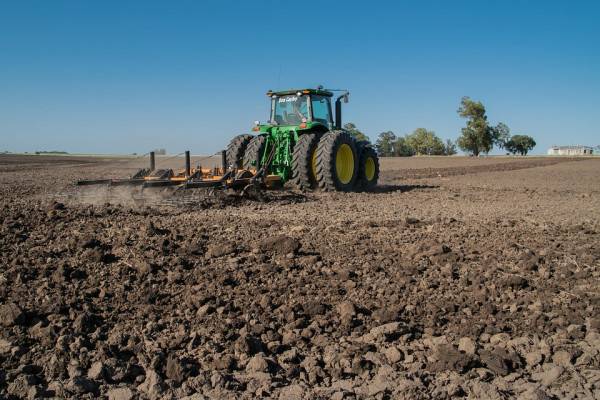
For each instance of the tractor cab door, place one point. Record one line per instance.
(321, 110)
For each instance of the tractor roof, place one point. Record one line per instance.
(321, 92)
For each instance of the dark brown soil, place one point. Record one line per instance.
(474, 278)
(503, 164)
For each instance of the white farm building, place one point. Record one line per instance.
(570, 151)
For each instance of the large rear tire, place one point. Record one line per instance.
(368, 169)
(337, 162)
(254, 152)
(234, 156)
(304, 161)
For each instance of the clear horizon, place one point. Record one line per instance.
(127, 77)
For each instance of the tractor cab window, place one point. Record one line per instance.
(290, 110)
(321, 110)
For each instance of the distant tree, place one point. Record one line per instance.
(423, 141)
(402, 149)
(354, 131)
(385, 144)
(450, 148)
(500, 135)
(476, 137)
(521, 144)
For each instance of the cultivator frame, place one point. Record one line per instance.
(225, 177)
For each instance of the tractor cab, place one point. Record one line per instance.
(304, 109)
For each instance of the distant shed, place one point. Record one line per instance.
(570, 151)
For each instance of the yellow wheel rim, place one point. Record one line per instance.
(344, 163)
(369, 168)
(313, 164)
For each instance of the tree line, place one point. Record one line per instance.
(477, 137)
(420, 142)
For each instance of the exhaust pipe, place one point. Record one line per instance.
(338, 109)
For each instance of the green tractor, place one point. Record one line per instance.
(302, 145)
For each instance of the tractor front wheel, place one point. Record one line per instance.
(254, 152)
(304, 161)
(368, 169)
(234, 154)
(337, 162)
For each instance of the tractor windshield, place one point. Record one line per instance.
(290, 109)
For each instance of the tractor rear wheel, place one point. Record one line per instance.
(254, 152)
(235, 151)
(337, 162)
(304, 161)
(368, 168)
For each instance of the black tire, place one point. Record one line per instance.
(234, 156)
(368, 168)
(254, 153)
(303, 173)
(328, 176)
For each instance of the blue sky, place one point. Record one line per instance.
(129, 76)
